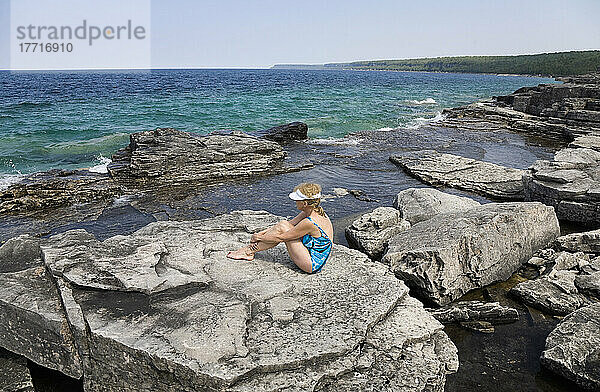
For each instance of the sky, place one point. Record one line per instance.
(258, 34)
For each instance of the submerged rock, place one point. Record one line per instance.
(573, 348)
(450, 254)
(488, 179)
(473, 311)
(570, 183)
(163, 309)
(14, 374)
(419, 204)
(371, 232)
(168, 157)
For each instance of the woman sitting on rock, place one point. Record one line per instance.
(307, 236)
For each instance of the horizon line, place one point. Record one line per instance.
(295, 63)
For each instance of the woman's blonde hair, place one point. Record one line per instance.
(309, 189)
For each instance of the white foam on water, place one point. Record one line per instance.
(421, 121)
(7, 180)
(102, 167)
(334, 141)
(426, 101)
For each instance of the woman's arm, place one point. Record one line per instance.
(298, 218)
(298, 231)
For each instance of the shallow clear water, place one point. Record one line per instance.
(78, 119)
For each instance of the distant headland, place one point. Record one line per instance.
(546, 64)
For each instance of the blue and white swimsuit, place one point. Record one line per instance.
(319, 248)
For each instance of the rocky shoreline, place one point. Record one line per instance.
(159, 307)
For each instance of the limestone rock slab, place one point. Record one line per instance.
(446, 256)
(439, 169)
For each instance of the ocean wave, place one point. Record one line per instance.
(89, 144)
(334, 141)
(421, 121)
(102, 167)
(426, 101)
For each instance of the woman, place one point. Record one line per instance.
(307, 236)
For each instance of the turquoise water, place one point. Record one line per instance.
(78, 119)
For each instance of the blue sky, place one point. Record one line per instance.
(257, 34)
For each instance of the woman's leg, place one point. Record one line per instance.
(299, 255)
(247, 252)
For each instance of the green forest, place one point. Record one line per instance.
(546, 64)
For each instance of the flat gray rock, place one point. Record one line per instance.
(419, 204)
(450, 254)
(14, 373)
(573, 348)
(167, 157)
(438, 169)
(171, 312)
(371, 232)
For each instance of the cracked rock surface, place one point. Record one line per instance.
(419, 204)
(450, 254)
(573, 348)
(163, 309)
(488, 179)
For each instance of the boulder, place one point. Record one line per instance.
(371, 232)
(419, 204)
(570, 183)
(163, 309)
(438, 169)
(287, 132)
(573, 348)
(57, 188)
(475, 311)
(450, 254)
(14, 374)
(167, 157)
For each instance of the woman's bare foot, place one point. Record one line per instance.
(245, 253)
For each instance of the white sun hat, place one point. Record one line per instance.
(297, 195)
